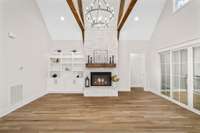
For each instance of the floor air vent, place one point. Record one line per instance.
(16, 94)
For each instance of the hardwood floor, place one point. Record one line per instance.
(133, 112)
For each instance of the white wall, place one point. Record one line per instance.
(172, 29)
(125, 48)
(2, 96)
(25, 62)
(66, 45)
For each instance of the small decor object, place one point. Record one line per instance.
(110, 60)
(55, 60)
(67, 69)
(100, 56)
(87, 82)
(59, 51)
(113, 59)
(11, 35)
(88, 59)
(115, 78)
(74, 51)
(54, 75)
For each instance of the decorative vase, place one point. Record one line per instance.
(113, 59)
(91, 60)
(88, 59)
(110, 60)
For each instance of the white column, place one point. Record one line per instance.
(190, 77)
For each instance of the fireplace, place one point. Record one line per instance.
(101, 79)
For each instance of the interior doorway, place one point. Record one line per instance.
(137, 70)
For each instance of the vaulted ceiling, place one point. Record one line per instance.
(61, 18)
(148, 12)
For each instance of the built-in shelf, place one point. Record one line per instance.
(66, 63)
(100, 65)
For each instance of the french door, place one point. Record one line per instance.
(196, 77)
(180, 75)
(165, 73)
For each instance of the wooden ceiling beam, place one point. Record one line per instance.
(80, 7)
(76, 16)
(121, 11)
(127, 13)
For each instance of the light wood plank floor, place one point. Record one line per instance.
(134, 112)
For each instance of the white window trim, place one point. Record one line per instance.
(189, 45)
(193, 43)
(178, 9)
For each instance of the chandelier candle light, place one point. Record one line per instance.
(99, 13)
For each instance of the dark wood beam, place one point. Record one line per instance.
(80, 7)
(121, 11)
(76, 16)
(127, 13)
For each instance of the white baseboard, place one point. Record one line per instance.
(100, 92)
(124, 90)
(145, 89)
(21, 104)
(66, 92)
(134, 86)
(176, 102)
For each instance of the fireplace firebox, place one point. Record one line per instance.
(101, 79)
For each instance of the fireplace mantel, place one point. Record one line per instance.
(98, 65)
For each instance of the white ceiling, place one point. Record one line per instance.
(51, 11)
(147, 10)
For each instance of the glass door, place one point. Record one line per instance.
(184, 76)
(175, 74)
(196, 78)
(165, 73)
(179, 75)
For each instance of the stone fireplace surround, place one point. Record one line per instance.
(101, 40)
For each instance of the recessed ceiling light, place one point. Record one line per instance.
(136, 18)
(62, 18)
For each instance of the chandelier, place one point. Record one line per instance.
(99, 13)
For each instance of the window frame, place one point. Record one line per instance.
(189, 45)
(175, 9)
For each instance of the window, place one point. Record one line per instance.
(179, 75)
(165, 73)
(196, 77)
(179, 4)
